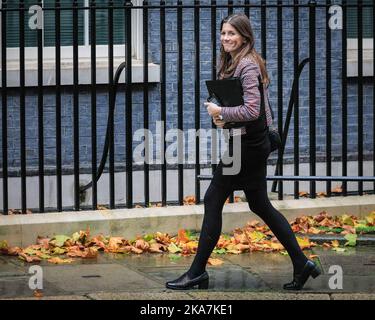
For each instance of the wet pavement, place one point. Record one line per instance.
(252, 276)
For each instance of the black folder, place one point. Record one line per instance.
(228, 92)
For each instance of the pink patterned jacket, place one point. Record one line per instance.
(248, 71)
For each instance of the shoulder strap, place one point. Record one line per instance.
(269, 105)
(262, 97)
(262, 102)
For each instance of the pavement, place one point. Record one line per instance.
(249, 276)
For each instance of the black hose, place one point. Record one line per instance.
(111, 113)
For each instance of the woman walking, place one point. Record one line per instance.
(240, 59)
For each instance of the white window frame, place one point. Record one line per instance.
(352, 57)
(31, 60)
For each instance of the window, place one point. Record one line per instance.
(368, 36)
(66, 27)
(66, 17)
(367, 20)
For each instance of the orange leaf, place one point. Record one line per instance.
(157, 205)
(38, 293)
(58, 260)
(327, 245)
(237, 199)
(320, 217)
(349, 229)
(90, 253)
(14, 211)
(313, 256)
(242, 247)
(253, 223)
(29, 259)
(215, 262)
(181, 237)
(43, 242)
(337, 190)
(222, 243)
(189, 200)
(163, 238)
(75, 252)
(277, 246)
(304, 243)
(314, 230)
(321, 194)
(241, 238)
(296, 228)
(14, 251)
(114, 243)
(156, 248)
(335, 243)
(325, 223)
(192, 245)
(124, 249)
(142, 244)
(98, 241)
(136, 250)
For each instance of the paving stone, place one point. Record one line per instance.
(12, 287)
(321, 284)
(65, 297)
(354, 261)
(141, 296)
(221, 278)
(262, 262)
(276, 282)
(257, 296)
(353, 296)
(100, 277)
(9, 269)
(363, 284)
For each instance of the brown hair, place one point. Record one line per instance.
(227, 65)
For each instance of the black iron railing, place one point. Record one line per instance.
(263, 8)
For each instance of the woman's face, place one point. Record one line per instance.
(231, 40)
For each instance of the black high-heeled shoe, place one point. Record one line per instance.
(299, 280)
(185, 282)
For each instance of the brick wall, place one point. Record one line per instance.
(189, 92)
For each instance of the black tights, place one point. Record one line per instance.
(259, 203)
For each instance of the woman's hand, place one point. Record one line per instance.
(219, 123)
(213, 109)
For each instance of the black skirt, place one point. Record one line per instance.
(253, 170)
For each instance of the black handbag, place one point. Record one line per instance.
(275, 138)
